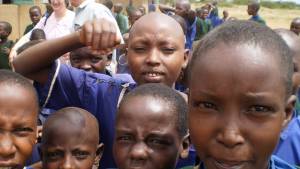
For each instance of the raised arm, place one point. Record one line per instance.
(35, 63)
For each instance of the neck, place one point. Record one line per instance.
(60, 13)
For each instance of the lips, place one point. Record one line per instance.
(153, 76)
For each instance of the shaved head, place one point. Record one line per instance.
(185, 3)
(291, 39)
(71, 120)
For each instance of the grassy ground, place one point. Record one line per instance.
(275, 18)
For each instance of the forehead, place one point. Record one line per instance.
(238, 63)
(161, 31)
(149, 108)
(17, 102)
(61, 131)
(296, 23)
(34, 10)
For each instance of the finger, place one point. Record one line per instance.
(112, 36)
(96, 34)
(87, 33)
(105, 35)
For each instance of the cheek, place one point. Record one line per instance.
(201, 130)
(165, 158)
(25, 146)
(120, 154)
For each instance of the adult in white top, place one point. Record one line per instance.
(87, 10)
(58, 24)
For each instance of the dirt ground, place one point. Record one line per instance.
(275, 18)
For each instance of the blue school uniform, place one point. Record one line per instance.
(275, 163)
(190, 34)
(258, 19)
(96, 93)
(288, 147)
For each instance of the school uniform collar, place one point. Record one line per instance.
(85, 3)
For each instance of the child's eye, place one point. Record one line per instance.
(139, 49)
(81, 154)
(168, 50)
(75, 60)
(157, 142)
(23, 131)
(259, 109)
(54, 155)
(205, 105)
(96, 59)
(124, 138)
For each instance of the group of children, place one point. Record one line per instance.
(239, 109)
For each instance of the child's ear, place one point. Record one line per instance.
(290, 104)
(185, 147)
(39, 134)
(186, 58)
(99, 153)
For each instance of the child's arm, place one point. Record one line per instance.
(35, 63)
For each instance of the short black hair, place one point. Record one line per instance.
(8, 27)
(255, 5)
(239, 32)
(10, 78)
(35, 7)
(175, 101)
(38, 34)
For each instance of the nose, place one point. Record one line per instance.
(86, 66)
(68, 162)
(153, 58)
(139, 152)
(230, 135)
(7, 147)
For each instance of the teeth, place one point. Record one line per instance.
(153, 74)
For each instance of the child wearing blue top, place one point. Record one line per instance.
(18, 119)
(239, 97)
(152, 59)
(151, 128)
(70, 139)
(253, 8)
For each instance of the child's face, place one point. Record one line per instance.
(295, 27)
(251, 10)
(18, 123)
(84, 59)
(225, 14)
(237, 107)
(156, 54)
(151, 139)
(204, 14)
(35, 15)
(69, 147)
(134, 17)
(3, 33)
